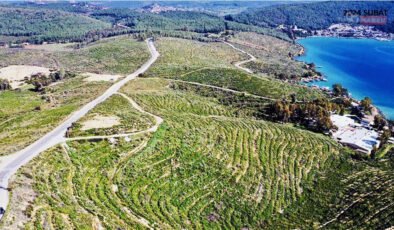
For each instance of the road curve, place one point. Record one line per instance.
(12, 163)
(238, 64)
(158, 121)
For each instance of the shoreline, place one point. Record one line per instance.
(342, 37)
(324, 77)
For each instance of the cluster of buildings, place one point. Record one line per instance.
(357, 135)
(358, 31)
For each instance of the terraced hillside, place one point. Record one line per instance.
(26, 115)
(274, 56)
(213, 64)
(180, 56)
(238, 80)
(353, 195)
(211, 164)
(206, 166)
(114, 116)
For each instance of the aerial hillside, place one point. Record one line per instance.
(207, 165)
(37, 25)
(27, 114)
(311, 16)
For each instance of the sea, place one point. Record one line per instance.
(364, 66)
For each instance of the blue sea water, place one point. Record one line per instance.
(364, 66)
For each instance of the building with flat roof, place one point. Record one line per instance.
(352, 134)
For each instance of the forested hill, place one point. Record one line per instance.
(86, 22)
(46, 25)
(310, 16)
(177, 21)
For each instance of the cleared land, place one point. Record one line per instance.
(120, 55)
(272, 54)
(213, 64)
(26, 115)
(206, 166)
(211, 164)
(114, 116)
(17, 73)
(180, 56)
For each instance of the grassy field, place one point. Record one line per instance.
(239, 80)
(120, 55)
(208, 166)
(272, 54)
(212, 164)
(131, 120)
(25, 116)
(180, 56)
(212, 64)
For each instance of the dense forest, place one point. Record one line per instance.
(311, 16)
(46, 25)
(87, 22)
(84, 22)
(187, 21)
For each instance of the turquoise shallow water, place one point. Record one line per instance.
(364, 66)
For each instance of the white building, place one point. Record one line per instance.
(354, 135)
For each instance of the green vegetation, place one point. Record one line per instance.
(311, 16)
(82, 174)
(168, 23)
(275, 57)
(211, 164)
(180, 56)
(206, 166)
(38, 25)
(130, 119)
(238, 80)
(352, 195)
(121, 55)
(212, 64)
(25, 116)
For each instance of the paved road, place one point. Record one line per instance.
(11, 164)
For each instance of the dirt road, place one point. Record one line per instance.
(9, 165)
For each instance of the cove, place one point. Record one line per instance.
(364, 66)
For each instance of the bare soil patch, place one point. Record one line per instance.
(16, 73)
(100, 77)
(100, 121)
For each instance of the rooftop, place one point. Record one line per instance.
(353, 134)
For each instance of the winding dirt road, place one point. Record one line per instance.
(238, 64)
(10, 164)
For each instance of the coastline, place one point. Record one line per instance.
(303, 52)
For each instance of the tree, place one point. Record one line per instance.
(366, 104)
(4, 84)
(338, 90)
(379, 122)
(385, 136)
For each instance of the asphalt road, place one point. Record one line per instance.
(11, 164)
